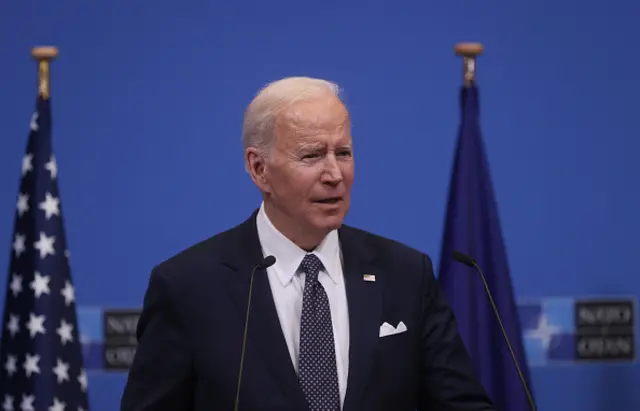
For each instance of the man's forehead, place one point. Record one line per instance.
(319, 140)
(324, 112)
(303, 134)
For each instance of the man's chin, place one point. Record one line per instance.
(329, 223)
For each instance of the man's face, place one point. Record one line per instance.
(310, 171)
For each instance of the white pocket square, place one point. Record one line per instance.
(387, 329)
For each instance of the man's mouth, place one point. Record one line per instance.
(328, 200)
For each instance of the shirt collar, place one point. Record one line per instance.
(289, 256)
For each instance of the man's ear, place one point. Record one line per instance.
(257, 167)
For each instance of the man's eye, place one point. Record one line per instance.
(307, 156)
(344, 153)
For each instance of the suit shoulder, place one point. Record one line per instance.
(195, 258)
(386, 248)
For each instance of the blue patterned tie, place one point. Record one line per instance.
(317, 372)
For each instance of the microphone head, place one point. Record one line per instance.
(267, 262)
(463, 258)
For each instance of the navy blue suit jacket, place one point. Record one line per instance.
(191, 328)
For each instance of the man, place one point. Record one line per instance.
(344, 319)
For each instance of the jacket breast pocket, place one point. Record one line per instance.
(390, 343)
(396, 366)
(396, 351)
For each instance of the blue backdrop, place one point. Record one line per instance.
(148, 100)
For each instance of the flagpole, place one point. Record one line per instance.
(469, 53)
(44, 55)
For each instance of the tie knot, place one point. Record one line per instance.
(311, 265)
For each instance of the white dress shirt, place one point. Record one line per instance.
(287, 288)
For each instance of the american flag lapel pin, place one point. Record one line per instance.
(369, 277)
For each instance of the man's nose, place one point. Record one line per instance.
(332, 173)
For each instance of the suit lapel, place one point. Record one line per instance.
(264, 332)
(364, 300)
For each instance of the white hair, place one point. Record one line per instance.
(275, 97)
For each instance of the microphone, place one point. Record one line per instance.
(470, 262)
(266, 262)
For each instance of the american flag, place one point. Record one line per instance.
(40, 352)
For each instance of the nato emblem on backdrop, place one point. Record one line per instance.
(108, 337)
(563, 331)
(120, 340)
(556, 331)
(605, 330)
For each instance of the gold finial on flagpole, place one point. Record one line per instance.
(43, 55)
(469, 52)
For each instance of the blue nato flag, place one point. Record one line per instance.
(472, 226)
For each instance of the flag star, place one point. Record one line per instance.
(27, 403)
(11, 365)
(26, 163)
(7, 405)
(18, 244)
(50, 206)
(68, 293)
(82, 379)
(61, 370)
(34, 122)
(52, 167)
(23, 204)
(64, 331)
(14, 324)
(16, 284)
(45, 245)
(31, 365)
(57, 405)
(36, 324)
(40, 284)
